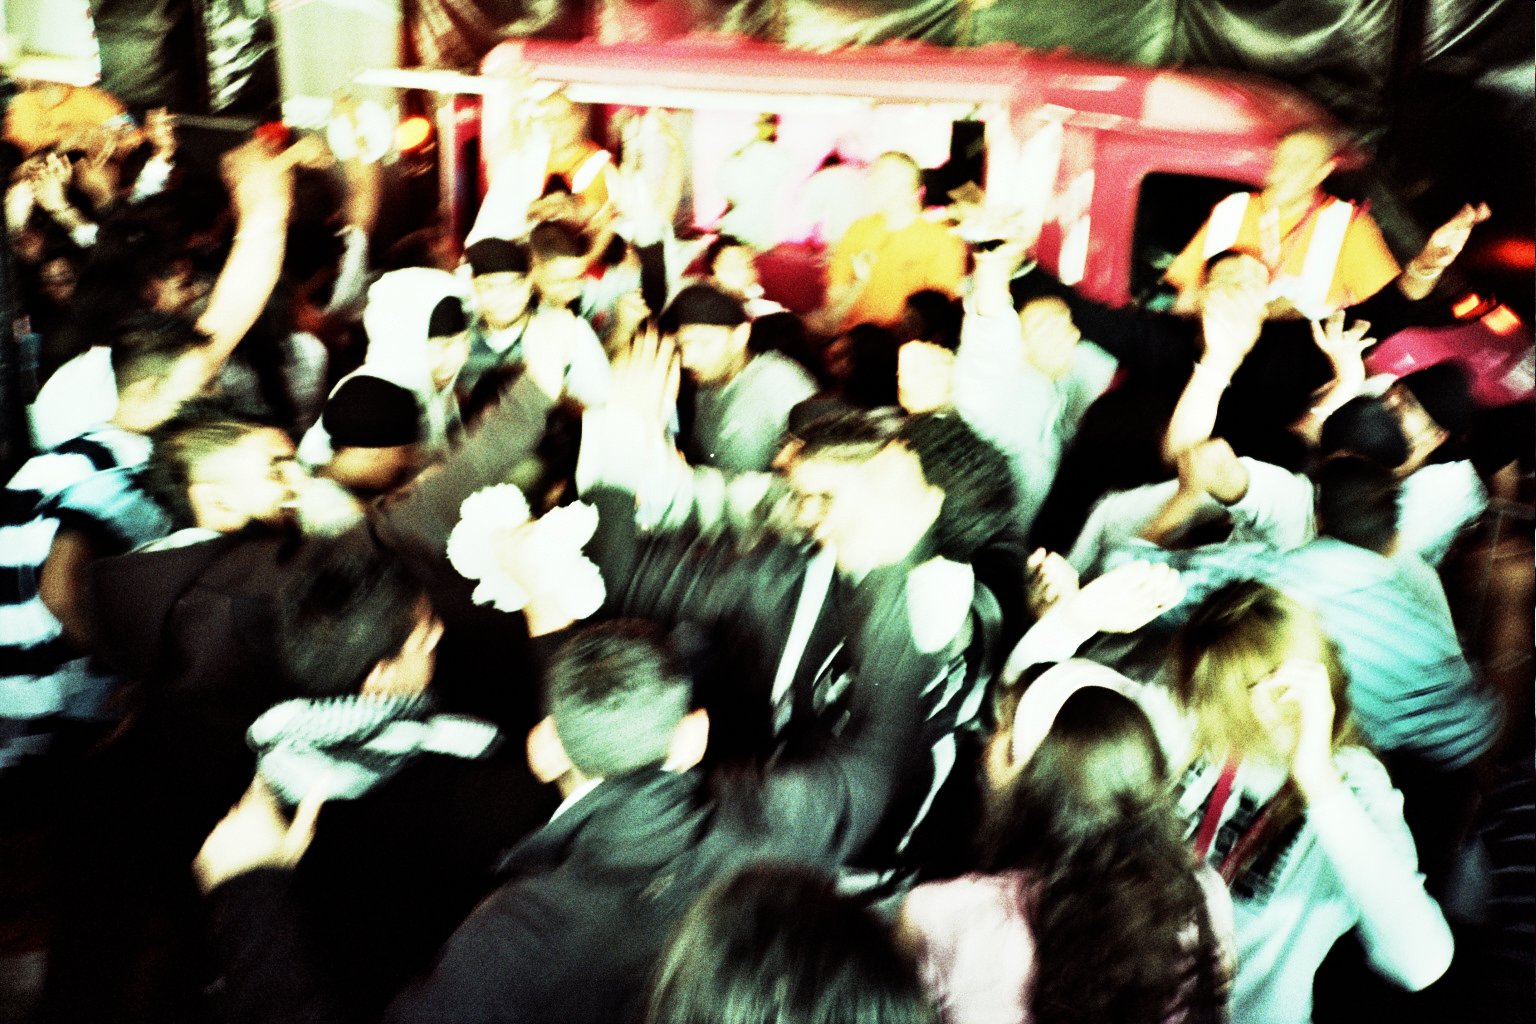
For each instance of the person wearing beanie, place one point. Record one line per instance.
(417, 340)
(375, 433)
(743, 401)
(501, 302)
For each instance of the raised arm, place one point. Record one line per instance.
(262, 185)
(1229, 325)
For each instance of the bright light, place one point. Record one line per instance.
(412, 133)
(1501, 320)
(1466, 304)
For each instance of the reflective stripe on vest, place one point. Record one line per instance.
(1309, 290)
(1225, 224)
(587, 173)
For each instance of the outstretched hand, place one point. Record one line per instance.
(1127, 598)
(646, 376)
(255, 834)
(1052, 579)
(1451, 237)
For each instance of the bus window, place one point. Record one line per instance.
(1169, 210)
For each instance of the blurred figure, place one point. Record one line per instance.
(1090, 910)
(1283, 801)
(1322, 253)
(777, 942)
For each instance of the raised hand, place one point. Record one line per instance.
(255, 834)
(646, 377)
(1450, 238)
(1127, 598)
(1294, 705)
(1051, 580)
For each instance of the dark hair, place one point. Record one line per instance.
(557, 239)
(200, 428)
(132, 251)
(616, 694)
(716, 246)
(1444, 391)
(497, 256)
(1088, 817)
(347, 609)
(776, 942)
(1356, 502)
(936, 318)
(1364, 426)
(702, 304)
(871, 382)
(147, 344)
(979, 496)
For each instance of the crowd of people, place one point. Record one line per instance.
(560, 628)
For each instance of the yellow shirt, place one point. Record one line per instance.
(924, 254)
(1365, 265)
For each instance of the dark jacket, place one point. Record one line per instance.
(589, 901)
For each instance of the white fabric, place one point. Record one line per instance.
(81, 394)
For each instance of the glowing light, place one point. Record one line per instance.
(1466, 304)
(1501, 320)
(1514, 252)
(412, 134)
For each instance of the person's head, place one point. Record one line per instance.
(865, 361)
(1235, 640)
(933, 316)
(1366, 427)
(559, 258)
(1237, 274)
(353, 620)
(875, 485)
(1357, 503)
(503, 287)
(1433, 406)
(565, 122)
(158, 365)
(895, 185)
(56, 279)
(1303, 160)
(222, 473)
(711, 328)
(1078, 796)
(447, 342)
(732, 264)
(777, 942)
(1050, 335)
(375, 431)
(616, 701)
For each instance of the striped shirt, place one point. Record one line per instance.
(88, 485)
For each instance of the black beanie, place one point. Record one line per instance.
(702, 304)
(1364, 426)
(447, 319)
(497, 256)
(370, 412)
(1444, 392)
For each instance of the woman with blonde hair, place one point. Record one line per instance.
(1299, 819)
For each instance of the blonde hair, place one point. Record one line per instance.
(1236, 637)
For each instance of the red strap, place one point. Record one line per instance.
(1212, 819)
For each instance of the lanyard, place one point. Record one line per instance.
(1242, 850)
(1277, 247)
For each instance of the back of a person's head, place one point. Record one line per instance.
(616, 694)
(872, 363)
(1444, 391)
(777, 943)
(1088, 815)
(935, 317)
(1364, 426)
(179, 446)
(1356, 502)
(345, 610)
(557, 239)
(979, 495)
(147, 345)
(854, 435)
